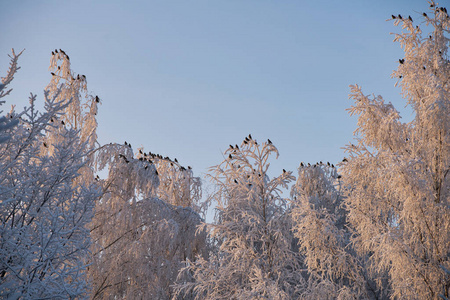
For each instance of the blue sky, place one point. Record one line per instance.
(187, 78)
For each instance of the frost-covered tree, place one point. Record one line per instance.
(398, 173)
(319, 224)
(44, 208)
(141, 240)
(254, 258)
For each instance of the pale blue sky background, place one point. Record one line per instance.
(187, 78)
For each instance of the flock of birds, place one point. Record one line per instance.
(150, 157)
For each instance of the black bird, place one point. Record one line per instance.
(401, 61)
(269, 141)
(230, 156)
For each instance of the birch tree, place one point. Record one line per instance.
(254, 258)
(44, 208)
(140, 239)
(398, 173)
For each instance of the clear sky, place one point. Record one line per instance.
(187, 78)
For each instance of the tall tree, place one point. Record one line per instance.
(44, 208)
(398, 173)
(254, 258)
